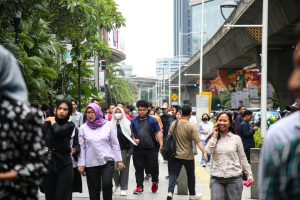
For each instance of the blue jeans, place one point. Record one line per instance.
(208, 156)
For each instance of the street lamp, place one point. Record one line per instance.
(79, 60)
(227, 5)
(17, 20)
(179, 60)
(264, 59)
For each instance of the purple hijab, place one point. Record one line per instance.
(99, 121)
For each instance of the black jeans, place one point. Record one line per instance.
(58, 185)
(175, 167)
(100, 177)
(145, 159)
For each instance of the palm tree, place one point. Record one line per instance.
(119, 88)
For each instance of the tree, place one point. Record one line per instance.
(119, 88)
(45, 25)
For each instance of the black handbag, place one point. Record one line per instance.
(169, 150)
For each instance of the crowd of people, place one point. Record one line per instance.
(51, 149)
(100, 142)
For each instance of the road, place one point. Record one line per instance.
(202, 186)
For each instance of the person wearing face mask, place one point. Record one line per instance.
(228, 161)
(122, 126)
(205, 129)
(57, 131)
(100, 150)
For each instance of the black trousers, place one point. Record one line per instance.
(100, 177)
(247, 152)
(145, 159)
(58, 185)
(175, 167)
(156, 152)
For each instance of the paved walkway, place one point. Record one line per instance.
(202, 186)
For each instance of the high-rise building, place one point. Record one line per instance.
(182, 22)
(213, 20)
(168, 66)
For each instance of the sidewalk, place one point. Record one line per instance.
(202, 186)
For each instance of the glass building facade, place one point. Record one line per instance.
(168, 66)
(213, 20)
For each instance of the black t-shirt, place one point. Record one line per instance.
(123, 141)
(166, 121)
(145, 137)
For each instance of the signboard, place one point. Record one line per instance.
(202, 106)
(101, 79)
(174, 97)
(209, 94)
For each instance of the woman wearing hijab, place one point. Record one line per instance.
(22, 159)
(122, 126)
(100, 150)
(58, 130)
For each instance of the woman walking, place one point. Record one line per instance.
(122, 126)
(100, 150)
(206, 128)
(228, 161)
(58, 130)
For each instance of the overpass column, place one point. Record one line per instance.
(280, 67)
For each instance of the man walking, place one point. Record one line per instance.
(239, 118)
(247, 132)
(148, 137)
(185, 133)
(76, 117)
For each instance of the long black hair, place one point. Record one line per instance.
(229, 115)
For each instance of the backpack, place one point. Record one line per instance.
(169, 150)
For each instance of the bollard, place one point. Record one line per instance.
(182, 188)
(254, 161)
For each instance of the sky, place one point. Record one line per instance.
(148, 34)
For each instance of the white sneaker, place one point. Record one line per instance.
(115, 188)
(203, 165)
(208, 164)
(123, 193)
(170, 196)
(195, 197)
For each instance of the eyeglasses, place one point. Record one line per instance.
(90, 113)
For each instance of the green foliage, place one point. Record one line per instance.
(120, 90)
(259, 140)
(45, 26)
(225, 99)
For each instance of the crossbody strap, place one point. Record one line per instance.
(175, 129)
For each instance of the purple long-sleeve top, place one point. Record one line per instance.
(98, 146)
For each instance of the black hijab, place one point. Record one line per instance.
(66, 119)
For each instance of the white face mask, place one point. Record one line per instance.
(118, 116)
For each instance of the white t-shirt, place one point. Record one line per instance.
(205, 128)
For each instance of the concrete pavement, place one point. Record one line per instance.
(202, 186)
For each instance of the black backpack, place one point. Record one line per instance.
(169, 150)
